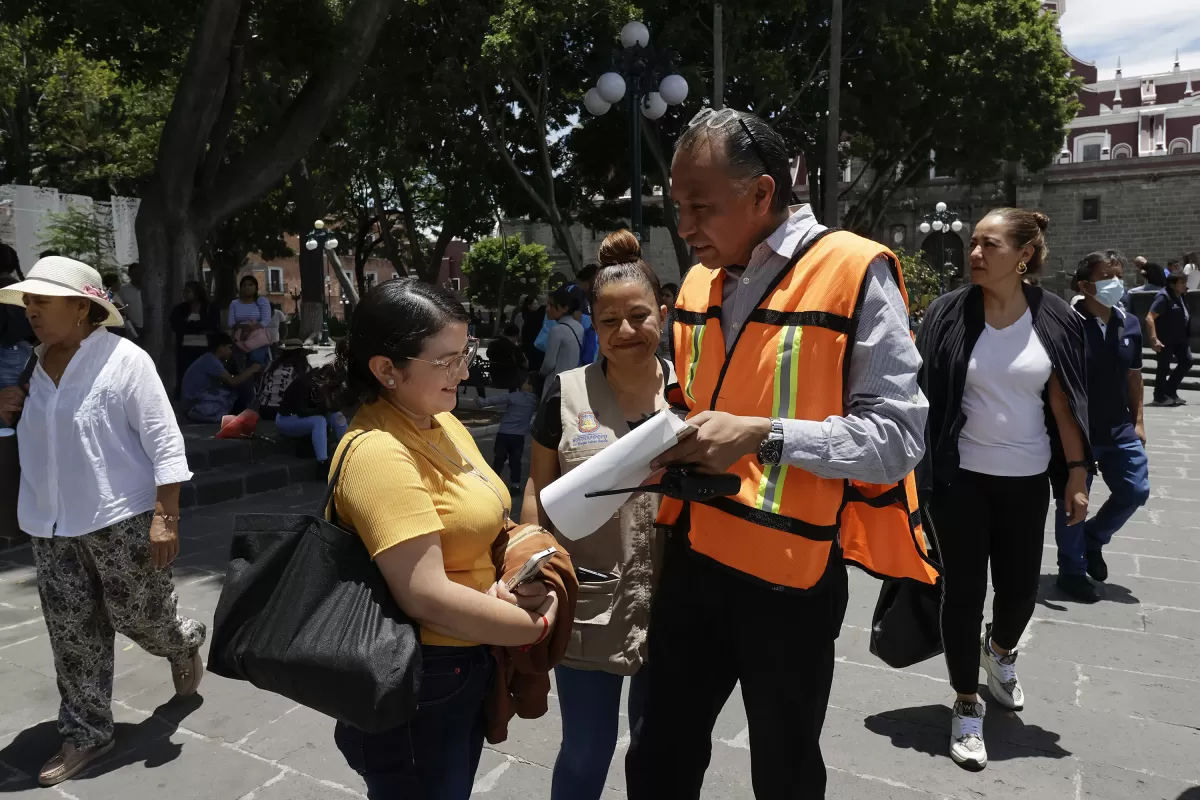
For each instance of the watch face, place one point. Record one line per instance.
(771, 451)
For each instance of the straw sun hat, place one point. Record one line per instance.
(55, 276)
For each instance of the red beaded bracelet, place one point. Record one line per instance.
(525, 648)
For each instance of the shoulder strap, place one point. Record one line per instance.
(329, 504)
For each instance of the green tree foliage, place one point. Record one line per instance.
(501, 269)
(79, 233)
(71, 120)
(922, 282)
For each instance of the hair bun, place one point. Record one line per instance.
(621, 247)
(1041, 219)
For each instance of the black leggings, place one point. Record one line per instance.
(977, 518)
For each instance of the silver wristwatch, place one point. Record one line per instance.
(770, 452)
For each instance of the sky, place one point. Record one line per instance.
(1143, 33)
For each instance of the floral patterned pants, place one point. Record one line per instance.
(92, 586)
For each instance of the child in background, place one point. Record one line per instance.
(519, 407)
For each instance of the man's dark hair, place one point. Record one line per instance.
(1155, 274)
(1093, 261)
(563, 298)
(587, 273)
(218, 340)
(511, 330)
(752, 148)
(9, 262)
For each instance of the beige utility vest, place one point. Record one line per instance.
(611, 617)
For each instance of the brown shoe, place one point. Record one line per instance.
(187, 675)
(69, 761)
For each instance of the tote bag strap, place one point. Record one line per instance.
(329, 504)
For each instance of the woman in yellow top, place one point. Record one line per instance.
(417, 491)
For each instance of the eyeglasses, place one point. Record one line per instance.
(718, 118)
(455, 365)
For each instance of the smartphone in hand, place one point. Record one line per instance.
(531, 569)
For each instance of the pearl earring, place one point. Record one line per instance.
(391, 382)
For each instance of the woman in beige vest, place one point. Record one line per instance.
(583, 411)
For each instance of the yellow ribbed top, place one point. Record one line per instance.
(395, 488)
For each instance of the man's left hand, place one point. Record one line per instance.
(1140, 430)
(719, 440)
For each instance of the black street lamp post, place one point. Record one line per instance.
(317, 244)
(638, 69)
(943, 221)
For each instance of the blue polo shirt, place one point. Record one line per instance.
(1113, 351)
(1171, 318)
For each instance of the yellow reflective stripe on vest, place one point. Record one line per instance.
(697, 343)
(787, 363)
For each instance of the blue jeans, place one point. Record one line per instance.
(317, 427)
(12, 362)
(1126, 472)
(435, 755)
(261, 355)
(590, 703)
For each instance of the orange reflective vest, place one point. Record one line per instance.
(790, 360)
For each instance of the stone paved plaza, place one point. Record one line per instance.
(1113, 690)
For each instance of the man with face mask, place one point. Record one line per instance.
(799, 375)
(1113, 338)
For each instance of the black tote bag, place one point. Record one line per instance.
(906, 625)
(306, 614)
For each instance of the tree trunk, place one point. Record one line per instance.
(175, 217)
(168, 250)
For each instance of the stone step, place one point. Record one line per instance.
(237, 481)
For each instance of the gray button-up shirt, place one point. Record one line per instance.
(881, 436)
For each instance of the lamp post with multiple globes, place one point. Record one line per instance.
(320, 239)
(942, 221)
(648, 82)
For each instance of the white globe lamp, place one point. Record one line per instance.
(940, 207)
(653, 106)
(674, 89)
(956, 226)
(331, 243)
(611, 87)
(595, 104)
(937, 224)
(311, 244)
(319, 224)
(635, 34)
(923, 227)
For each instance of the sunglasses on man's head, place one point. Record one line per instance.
(717, 118)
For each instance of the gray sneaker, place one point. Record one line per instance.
(1003, 682)
(966, 736)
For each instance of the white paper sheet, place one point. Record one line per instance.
(622, 465)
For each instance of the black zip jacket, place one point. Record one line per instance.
(948, 334)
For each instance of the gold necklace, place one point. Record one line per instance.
(473, 471)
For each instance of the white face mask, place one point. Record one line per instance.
(1110, 292)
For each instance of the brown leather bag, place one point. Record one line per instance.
(10, 475)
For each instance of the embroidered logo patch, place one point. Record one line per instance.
(587, 422)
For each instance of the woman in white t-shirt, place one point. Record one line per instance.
(1004, 371)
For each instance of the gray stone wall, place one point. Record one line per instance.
(1150, 209)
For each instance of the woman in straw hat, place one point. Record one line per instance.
(101, 463)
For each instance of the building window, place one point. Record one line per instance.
(274, 280)
(1179, 146)
(395, 276)
(1091, 209)
(370, 279)
(1122, 151)
(1089, 147)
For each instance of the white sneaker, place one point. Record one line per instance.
(1003, 682)
(966, 735)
